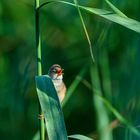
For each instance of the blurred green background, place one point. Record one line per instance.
(116, 50)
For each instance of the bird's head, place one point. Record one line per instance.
(56, 72)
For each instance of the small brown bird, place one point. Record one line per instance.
(56, 74)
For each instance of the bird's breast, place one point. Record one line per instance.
(60, 89)
(58, 84)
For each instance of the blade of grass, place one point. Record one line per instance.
(74, 85)
(104, 63)
(126, 134)
(36, 136)
(109, 15)
(115, 9)
(48, 98)
(85, 30)
(102, 116)
(79, 137)
(105, 73)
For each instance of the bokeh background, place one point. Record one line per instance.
(116, 50)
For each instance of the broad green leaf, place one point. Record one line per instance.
(51, 108)
(109, 15)
(79, 137)
(126, 22)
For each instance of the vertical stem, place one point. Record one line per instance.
(39, 66)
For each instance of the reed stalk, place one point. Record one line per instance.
(39, 66)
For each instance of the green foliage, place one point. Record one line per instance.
(85, 30)
(51, 108)
(102, 115)
(74, 85)
(115, 9)
(116, 53)
(109, 15)
(79, 137)
(119, 116)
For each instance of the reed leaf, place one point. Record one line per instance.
(102, 115)
(115, 9)
(85, 30)
(109, 15)
(51, 108)
(79, 137)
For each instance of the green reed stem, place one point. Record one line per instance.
(39, 66)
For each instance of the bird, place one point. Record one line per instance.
(56, 74)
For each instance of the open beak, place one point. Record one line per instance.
(60, 72)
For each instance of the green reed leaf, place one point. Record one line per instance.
(79, 137)
(85, 30)
(109, 15)
(115, 9)
(102, 115)
(51, 108)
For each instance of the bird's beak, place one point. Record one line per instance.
(60, 72)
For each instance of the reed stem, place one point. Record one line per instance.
(39, 66)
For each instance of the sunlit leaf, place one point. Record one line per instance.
(51, 108)
(115, 9)
(79, 137)
(109, 15)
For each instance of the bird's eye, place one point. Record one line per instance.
(54, 70)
